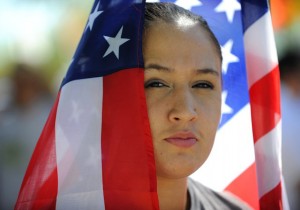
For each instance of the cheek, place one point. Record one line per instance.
(210, 113)
(214, 112)
(155, 111)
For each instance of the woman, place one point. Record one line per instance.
(183, 89)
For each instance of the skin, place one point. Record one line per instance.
(183, 93)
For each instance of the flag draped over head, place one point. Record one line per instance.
(96, 151)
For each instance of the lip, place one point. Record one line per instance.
(182, 139)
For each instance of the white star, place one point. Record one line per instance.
(188, 4)
(82, 63)
(76, 112)
(228, 57)
(93, 17)
(229, 7)
(115, 43)
(225, 108)
(83, 60)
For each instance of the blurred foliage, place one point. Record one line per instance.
(286, 23)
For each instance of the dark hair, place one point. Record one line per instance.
(170, 13)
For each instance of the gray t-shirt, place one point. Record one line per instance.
(202, 198)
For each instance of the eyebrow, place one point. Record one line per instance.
(167, 69)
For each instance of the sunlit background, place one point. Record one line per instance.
(37, 41)
(40, 33)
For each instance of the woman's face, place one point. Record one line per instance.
(183, 92)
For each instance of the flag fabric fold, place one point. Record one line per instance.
(96, 150)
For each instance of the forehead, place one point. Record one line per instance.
(175, 44)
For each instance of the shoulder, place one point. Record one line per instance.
(202, 197)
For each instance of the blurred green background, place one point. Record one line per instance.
(40, 33)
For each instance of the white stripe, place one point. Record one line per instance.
(268, 156)
(261, 54)
(232, 154)
(78, 145)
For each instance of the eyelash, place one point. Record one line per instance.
(205, 85)
(154, 84)
(159, 84)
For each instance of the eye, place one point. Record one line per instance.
(155, 84)
(205, 85)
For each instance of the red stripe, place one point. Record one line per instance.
(265, 104)
(272, 200)
(265, 110)
(245, 186)
(129, 177)
(39, 187)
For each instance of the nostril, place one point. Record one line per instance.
(176, 118)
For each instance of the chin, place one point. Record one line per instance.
(179, 170)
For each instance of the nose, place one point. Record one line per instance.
(183, 108)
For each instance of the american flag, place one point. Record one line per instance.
(246, 156)
(95, 151)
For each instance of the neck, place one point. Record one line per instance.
(172, 193)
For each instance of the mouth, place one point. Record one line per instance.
(182, 139)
